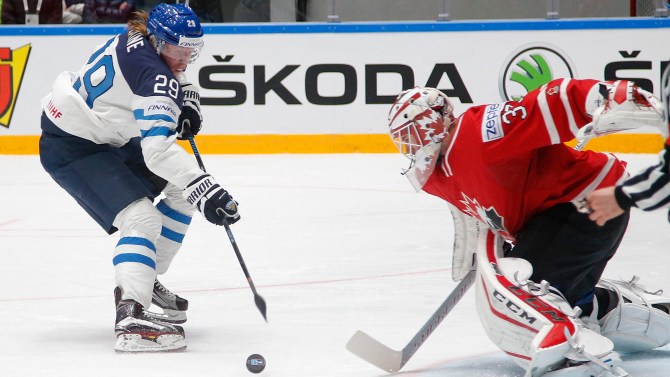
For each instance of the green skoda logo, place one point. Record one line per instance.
(530, 67)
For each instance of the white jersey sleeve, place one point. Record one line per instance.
(125, 90)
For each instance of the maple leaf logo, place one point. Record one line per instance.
(425, 123)
(489, 216)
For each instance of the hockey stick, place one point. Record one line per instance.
(390, 360)
(260, 302)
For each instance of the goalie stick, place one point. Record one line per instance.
(390, 360)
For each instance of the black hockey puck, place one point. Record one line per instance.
(255, 363)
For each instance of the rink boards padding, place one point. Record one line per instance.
(327, 87)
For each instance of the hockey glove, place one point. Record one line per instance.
(215, 203)
(626, 107)
(190, 119)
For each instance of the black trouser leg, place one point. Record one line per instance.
(569, 251)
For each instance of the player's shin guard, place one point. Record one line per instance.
(176, 214)
(175, 226)
(637, 320)
(533, 323)
(134, 260)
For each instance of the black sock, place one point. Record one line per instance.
(607, 300)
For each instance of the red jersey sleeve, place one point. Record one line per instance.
(551, 114)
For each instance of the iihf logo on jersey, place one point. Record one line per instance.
(532, 66)
(12, 67)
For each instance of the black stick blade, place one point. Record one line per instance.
(260, 304)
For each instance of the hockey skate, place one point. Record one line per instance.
(136, 332)
(173, 307)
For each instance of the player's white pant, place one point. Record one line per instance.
(533, 325)
(149, 239)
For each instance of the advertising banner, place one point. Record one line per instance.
(278, 88)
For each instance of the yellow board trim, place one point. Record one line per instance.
(625, 143)
(270, 144)
(19, 144)
(333, 143)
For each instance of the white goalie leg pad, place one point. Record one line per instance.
(134, 260)
(640, 320)
(536, 327)
(466, 232)
(176, 216)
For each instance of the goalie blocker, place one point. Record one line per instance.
(536, 326)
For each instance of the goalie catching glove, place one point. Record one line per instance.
(626, 107)
(190, 119)
(215, 203)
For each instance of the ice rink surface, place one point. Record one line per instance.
(334, 244)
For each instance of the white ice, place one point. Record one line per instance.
(334, 243)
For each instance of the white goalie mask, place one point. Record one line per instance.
(418, 122)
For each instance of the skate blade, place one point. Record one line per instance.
(168, 315)
(134, 343)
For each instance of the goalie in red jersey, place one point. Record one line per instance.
(505, 167)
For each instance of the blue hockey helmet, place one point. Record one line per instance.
(175, 24)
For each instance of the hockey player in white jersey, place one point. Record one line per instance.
(109, 132)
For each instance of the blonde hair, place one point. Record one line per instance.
(138, 22)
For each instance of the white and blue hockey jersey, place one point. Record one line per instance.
(125, 90)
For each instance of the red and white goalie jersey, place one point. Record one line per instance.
(507, 162)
